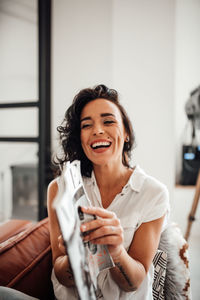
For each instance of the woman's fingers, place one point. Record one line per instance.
(113, 240)
(104, 218)
(103, 232)
(99, 223)
(98, 211)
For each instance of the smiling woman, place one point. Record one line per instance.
(131, 207)
(75, 122)
(102, 132)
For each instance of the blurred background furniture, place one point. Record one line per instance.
(25, 258)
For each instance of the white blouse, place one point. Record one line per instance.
(143, 199)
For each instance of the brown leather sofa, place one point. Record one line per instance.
(25, 258)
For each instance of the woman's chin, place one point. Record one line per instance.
(101, 161)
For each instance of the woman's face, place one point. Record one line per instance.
(102, 132)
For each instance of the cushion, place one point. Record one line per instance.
(26, 261)
(177, 281)
(160, 264)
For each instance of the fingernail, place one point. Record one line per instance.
(83, 227)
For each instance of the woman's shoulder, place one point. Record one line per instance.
(149, 182)
(52, 190)
(53, 185)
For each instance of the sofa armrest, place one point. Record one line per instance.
(26, 261)
(12, 227)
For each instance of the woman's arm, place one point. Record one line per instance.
(130, 268)
(61, 265)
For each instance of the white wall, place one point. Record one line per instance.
(187, 70)
(128, 45)
(143, 68)
(18, 51)
(82, 51)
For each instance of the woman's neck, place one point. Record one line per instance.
(108, 177)
(111, 181)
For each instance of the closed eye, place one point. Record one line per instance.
(109, 122)
(85, 126)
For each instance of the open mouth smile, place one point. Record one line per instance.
(100, 144)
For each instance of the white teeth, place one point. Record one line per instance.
(99, 144)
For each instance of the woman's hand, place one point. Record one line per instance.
(61, 245)
(106, 230)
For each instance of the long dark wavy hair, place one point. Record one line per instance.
(69, 131)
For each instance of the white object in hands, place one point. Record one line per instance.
(86, 259)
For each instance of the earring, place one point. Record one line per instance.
(127, 139)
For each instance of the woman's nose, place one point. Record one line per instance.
(98, 130)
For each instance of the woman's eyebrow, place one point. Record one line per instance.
(86, 118)
(102, 115)
(107, 115)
